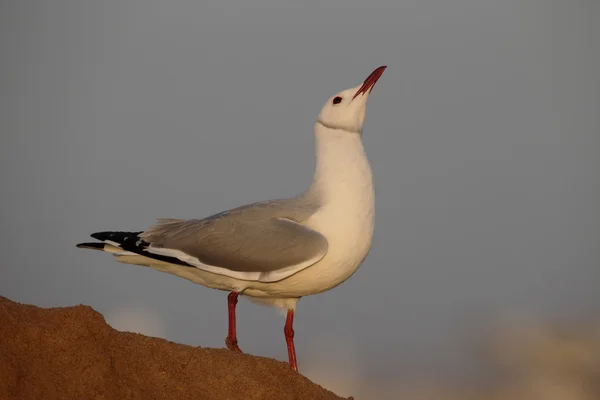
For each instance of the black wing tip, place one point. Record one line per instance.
(128, 241)
(101, 235)
(94, 246)
(115, 236)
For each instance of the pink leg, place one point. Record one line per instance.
(231, 340)
(289, 338)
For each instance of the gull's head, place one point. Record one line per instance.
(346, 110)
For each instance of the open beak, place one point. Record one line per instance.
(368, 84)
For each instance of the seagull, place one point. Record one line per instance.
(275, 251)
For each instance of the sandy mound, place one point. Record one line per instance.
(71, 353)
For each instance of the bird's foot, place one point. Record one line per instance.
(232, 345)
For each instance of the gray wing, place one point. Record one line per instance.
(242, 245)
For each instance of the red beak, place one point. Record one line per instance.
(370, 81)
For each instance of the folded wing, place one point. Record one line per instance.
(257, 249)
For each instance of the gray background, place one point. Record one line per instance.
(482, 134)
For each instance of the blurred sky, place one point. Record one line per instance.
(483, 135)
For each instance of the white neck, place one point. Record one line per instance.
(342, 190)
(342, 173)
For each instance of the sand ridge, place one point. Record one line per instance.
(72, 353)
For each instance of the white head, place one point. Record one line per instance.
(346, 110)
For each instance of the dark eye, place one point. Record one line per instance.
(337, 100)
